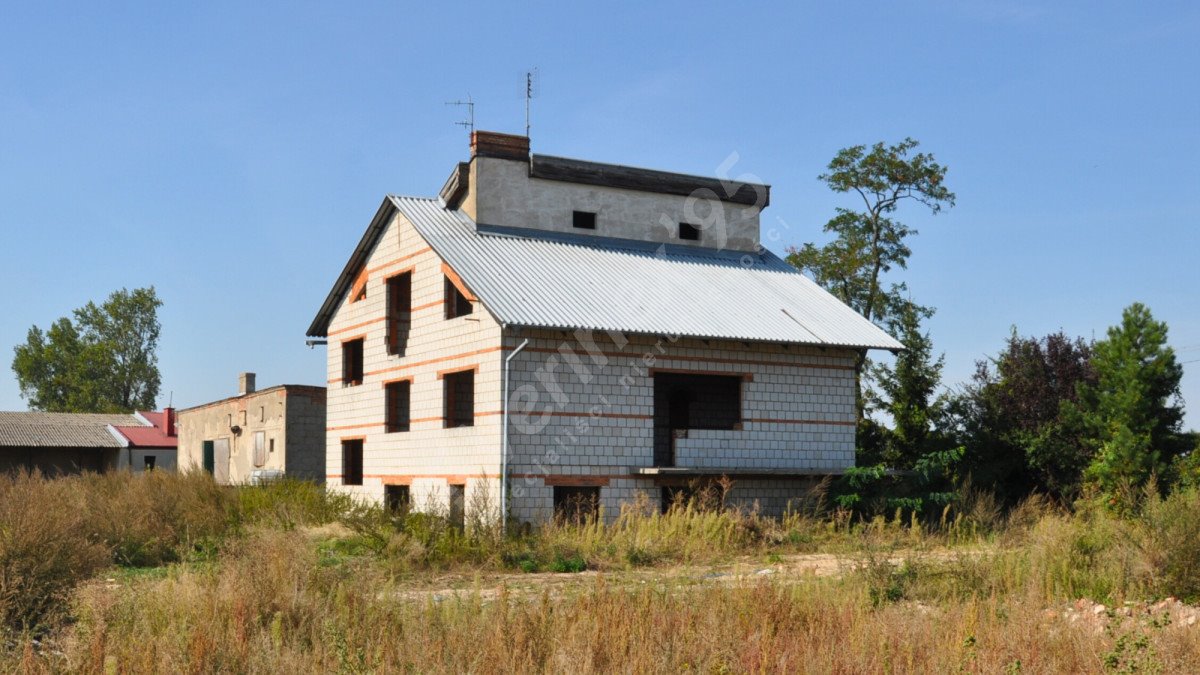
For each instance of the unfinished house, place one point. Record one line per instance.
(549, 333)
(257, 435)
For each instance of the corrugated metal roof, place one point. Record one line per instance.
(564, 281)
(60, 430)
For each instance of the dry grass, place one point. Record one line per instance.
(45, 549)
(287, 579)
(275, 608)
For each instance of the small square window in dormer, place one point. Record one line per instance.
(689, 232)
(583, 220)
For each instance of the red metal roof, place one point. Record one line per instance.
(149, 436)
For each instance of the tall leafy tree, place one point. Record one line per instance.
(868, 241)
(1018, 417)
(104, 360)
(1133, 411)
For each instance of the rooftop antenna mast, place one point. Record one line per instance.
(469, 104)
(531, 92)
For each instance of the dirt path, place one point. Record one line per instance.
(794, 568)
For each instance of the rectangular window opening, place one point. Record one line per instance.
(352, 362)
(396, 498)
(352, 462)
(684, 401)
(689, 232)
(399, 312)
(458, 506)
(456, 303)
(576, 503)
(397, 400)
(148, 463)
(459, 399)
(358, 291)
(583, 220)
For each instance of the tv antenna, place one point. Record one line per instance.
(531, 92)
(469, 104)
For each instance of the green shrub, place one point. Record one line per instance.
(288, 503)
(569, 563)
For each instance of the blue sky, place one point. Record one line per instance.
(231, 154)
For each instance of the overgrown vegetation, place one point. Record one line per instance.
(287, 576)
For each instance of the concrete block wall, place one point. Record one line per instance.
(304, 434)
(503, 193)
(583, 413)
(261, 411)
(290, 416)
(428, 458)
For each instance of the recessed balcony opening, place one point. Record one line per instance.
(683, 401)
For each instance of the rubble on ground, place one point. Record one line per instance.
(1167, 613)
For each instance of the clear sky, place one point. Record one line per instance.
(232, 154)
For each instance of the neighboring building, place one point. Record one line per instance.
(279, 431)
(67, 443)
(650, 342)
(147, 446)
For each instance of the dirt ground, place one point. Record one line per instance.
(793, 568)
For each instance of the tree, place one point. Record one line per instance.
(1017, 418)
(869, 243)
(928, 460)
(1133, 411)
(102, 361)
(907, 393)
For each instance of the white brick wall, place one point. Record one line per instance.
(430, 453)
(575, 415)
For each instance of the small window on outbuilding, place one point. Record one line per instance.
(689, 232)
(352, 462)
(583, 220)
(149, 463)
(576, 503)
(459, 399)
(457, 304)
(352, 362)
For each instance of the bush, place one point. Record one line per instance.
(288, 503)
(45, 549)
(155, 518)
(1172, 546)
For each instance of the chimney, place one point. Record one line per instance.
(500, 146)
(169, 421)
(245, 384)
